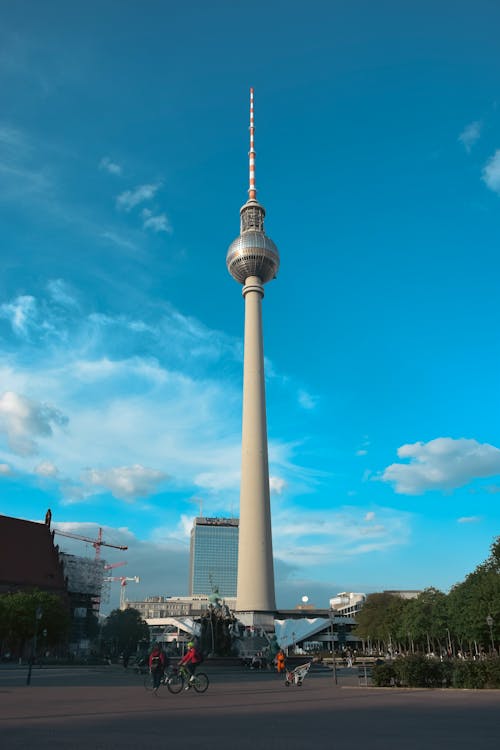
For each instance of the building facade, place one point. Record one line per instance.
(213, 562)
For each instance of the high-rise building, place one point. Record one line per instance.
(213, 561)
(253, 260)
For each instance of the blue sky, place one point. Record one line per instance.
(123, 165)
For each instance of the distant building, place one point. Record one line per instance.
(161, 607)
(404, 594)
(347, 603)
(213, 561)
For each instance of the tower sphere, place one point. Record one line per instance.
(252, 254)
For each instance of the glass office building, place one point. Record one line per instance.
(213, 563)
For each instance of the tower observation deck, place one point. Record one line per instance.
(253, 260)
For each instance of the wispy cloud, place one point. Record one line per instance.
(139, 398)
(470, 135)
(306, 400)
(126, 482)
(157, 223)
(491, 172)
(46, 469)
(131, 198)
(441, 464)
(110, 166)
(469, 519)
(311, 538)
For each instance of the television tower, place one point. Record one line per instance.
(253, 260)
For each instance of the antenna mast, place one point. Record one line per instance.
(252, 190)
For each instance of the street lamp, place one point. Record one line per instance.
(38, 617)
(334, 666)
(489, 622)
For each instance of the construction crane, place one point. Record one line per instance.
(114, 565)
(96, 543)
(123, 583)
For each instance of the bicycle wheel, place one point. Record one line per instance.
(148, 682)
(201, 682)
(175, 683)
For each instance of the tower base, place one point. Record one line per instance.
(258, 620)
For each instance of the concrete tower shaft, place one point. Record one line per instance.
(253, 260)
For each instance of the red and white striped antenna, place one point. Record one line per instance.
(252, 190)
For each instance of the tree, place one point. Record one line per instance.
(123, 630)
(18, 615)
(381, 617)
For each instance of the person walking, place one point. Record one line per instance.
(280, 661)
(156, 665)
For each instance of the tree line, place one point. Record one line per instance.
(466, 620)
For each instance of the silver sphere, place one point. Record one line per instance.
(253, 254)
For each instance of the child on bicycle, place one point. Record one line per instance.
(190, 661)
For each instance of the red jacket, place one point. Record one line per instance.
(191, 657)
(154, 654)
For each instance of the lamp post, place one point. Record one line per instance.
(38, 617)
(489, 622)
(334, 666)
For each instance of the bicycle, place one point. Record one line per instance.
(149, 680)
(181, 678)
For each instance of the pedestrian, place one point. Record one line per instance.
(280, 661)
(156, 665)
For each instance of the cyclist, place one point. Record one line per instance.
(156, 665)
(190, 661)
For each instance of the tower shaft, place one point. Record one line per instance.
(255, 590)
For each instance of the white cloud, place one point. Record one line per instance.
(110, 166)
(307, 401)
(469, 519)
(159, 391)
(5, 470)
(131, 198)
(470, 135)
(361, 452)
(311, 538)
(277, 485)
(491, 172)
(23, 420)
(126, 482)
(158, 223)
(21, 313)
(62, 294)
(46, 469)
(441, 464)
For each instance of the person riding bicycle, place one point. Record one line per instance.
(190, 661)
(157, 663)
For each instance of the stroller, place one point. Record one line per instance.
(296, 676)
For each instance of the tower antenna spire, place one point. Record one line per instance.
(252, 190)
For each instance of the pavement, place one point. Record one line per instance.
(108, 709)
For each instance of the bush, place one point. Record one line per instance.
(469, 674)
(383, 675)
(419, 671)
(492, 673)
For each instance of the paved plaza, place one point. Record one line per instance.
(104, 710)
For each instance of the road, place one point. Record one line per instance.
(106, 709)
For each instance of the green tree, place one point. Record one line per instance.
(426, 620)
(18, 614)
(123, 630)
(380, 620)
